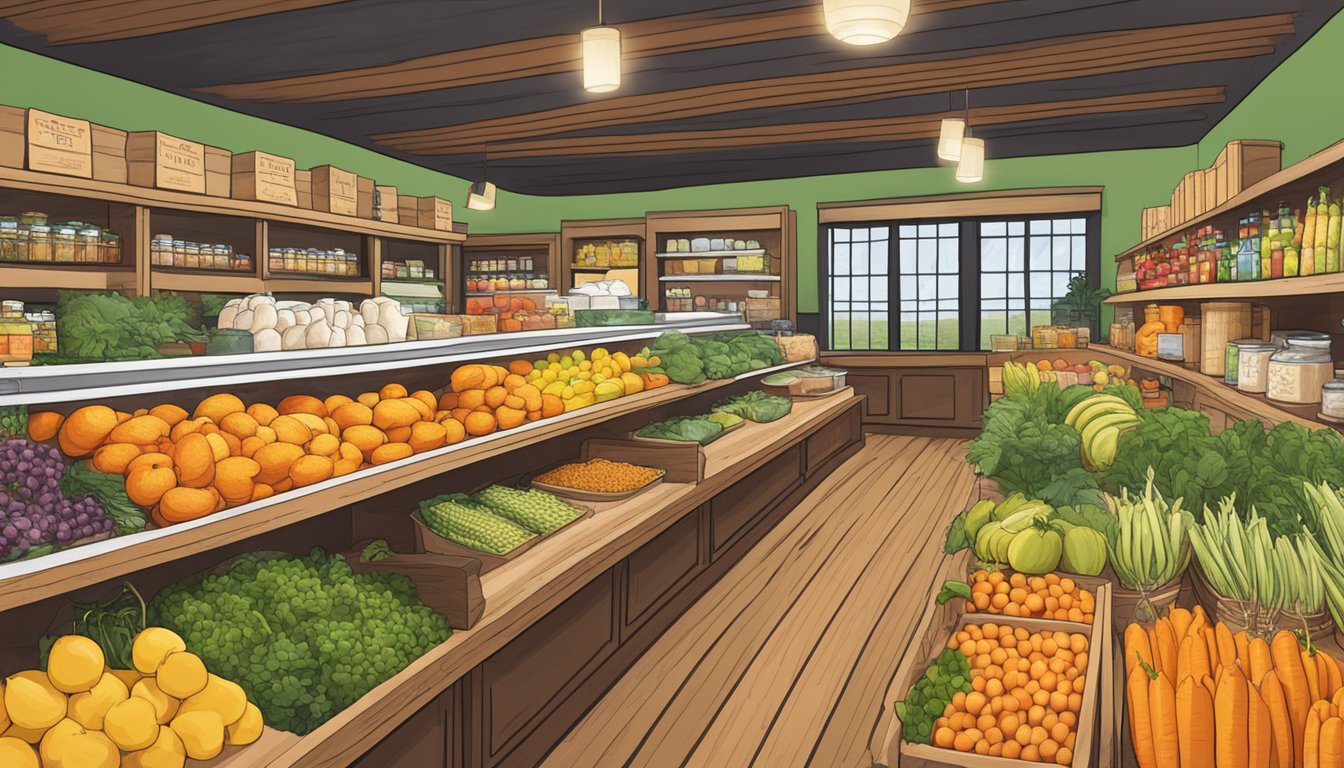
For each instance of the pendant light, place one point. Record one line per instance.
(481, 195)
(601, 56)
(865, 22)
(951, 133)
(971, 167)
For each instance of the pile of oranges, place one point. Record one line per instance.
(1026, 694)
(1040, 597)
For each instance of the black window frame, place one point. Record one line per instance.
(968, 309)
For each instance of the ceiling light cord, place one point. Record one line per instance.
(600, 21)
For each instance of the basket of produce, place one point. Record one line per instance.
(1052, 597)
(683, 429)
(494, 525)
(1148, 553)
(812, 381)
(756, 406)
(598, 480)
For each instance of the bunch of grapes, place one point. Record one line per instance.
(33, 511)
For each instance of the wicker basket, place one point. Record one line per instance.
(1130, 605)
(1235, 613)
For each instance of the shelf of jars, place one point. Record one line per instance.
(602, 249)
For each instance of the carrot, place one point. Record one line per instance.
(1230, 712)
(1293, 678)
(1313, 675)
(1197, 625)
(1333, 673)
(1194, 723)
(1162, 712)
(1183, 660)
(1198, 613)
(1180, 622)
(1199, 657)
(1211, 642)
(1136, 647)
(1209, 686)
(1165, 647)
(1227, 647)
(1311, 741)
(1243, 643)
(1259, 730)
(1259, 658)
(1280, 724)
(1332, 743)
(1140, 717)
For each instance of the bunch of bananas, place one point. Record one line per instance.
(1100, 420)
(1019, 378)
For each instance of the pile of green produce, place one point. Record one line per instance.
(689, 429)
(1100, 420)
(1150, 547)
(109, 326)
(304, 636)
(693, 359)
(497, 519)
(110, 491)
(949, 675)
(537, 511)
(756, 406)
(1029, 536)
(13, 421)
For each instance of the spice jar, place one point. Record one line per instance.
(1332, 399)
(29, 218)
(1232, 359)
(1253, 367)
(39, 243)
(111, 247)
(9, 239)
(88, 247)
(1297, 373)
(63, 244)
(192, 255)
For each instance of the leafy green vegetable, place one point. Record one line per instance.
(756, 406)
(13, 421)
(377, 550)
(1021, 448)
(958, 538)
(113, 624)
(693, 429)
(927, 699)
(109, 326)
(692, 359)
(953, 588)
(110, 491)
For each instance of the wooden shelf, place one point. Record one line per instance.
(1251, 289)
(28, 581)
(742, 278)
(1323, 168)
(214, 282)
(83, 277)
(577, 268)
(713, 254)
(521, 591)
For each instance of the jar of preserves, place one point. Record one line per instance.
(9, 239)
(192, 254)
(243, 263)
(312, 261)
(334, 264)
(161, 251)
(111, 247)
(291, 259)
(29, 218)
(88, 248)
(63, 240)
(16, 341)
(1297, 372)
(39, 243)
(223, 256)
(180, 254)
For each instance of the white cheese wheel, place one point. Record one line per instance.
(259, 299)
(375, 334)
(317, 335)
(342, 319)
(344, 306)
(227, 314)
(294, 337)
(369, 311)
(267, 340)
(357, 321)
(303, 316)
(263, 317)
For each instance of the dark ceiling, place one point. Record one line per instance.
(714, 91)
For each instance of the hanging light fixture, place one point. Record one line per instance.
(951, 133)
(865, 22)
(481, 195)
(971, 166)
(601, 56)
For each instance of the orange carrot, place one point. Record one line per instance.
(1198, 612)
(1165, 647)
(1227, 647)
(1209, 686)
(1333, 673)
(1281, 724)
(1162, 712)
(1313, 675)
(1311, 741)
(1183, 660)
(1211, 642)
(1259, 658)
(1180, 622)
(1259, 730)
(1230, 712)
(1293, 678)
(1136, 647)
(1140, 717)
(1331, 753)
(1243, 643)
(1199, 657)
(1197, 625)
(1194, 723)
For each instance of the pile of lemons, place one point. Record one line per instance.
(80, 714)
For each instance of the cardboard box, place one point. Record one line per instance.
(218, 172)
(59, 144)
(365, 189)
(156, 159)
(303, 188)
(385, 204)
(335, 190)
(435, 213)
(264, 177)
(109, 154)
(408, 210)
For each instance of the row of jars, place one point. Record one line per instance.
(32, 238)
(1292, 367)
(501, 264)
(164, 251)
(336, 262)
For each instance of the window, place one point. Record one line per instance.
(953, 283)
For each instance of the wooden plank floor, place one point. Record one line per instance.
(786, 660)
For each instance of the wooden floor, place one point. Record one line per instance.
(786, 660)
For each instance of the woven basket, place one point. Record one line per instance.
(1129, 605)
(1234, 613)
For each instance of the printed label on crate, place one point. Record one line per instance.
(181, 163)
(273, 178)
(342, 191)
(59, 144)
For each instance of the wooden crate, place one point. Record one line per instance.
(109, 154)
(58, 144)
(303, 188)
(364, 188)
(434, 213)
(450, 586)
(385, 207)
(265, 177)
(335, 190)
(156, 159)
(1210, 184)
(1249, 162)
(218, 172)
(683, 462)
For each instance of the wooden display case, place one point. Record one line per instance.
(712, 275)
(530, 257)
(574, 234)
(427, 293)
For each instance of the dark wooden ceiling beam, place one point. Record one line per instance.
(909, 127)
(544, 56)
(1081, 56)
(70, 22)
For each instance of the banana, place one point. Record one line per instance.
(1102, 410)
(1094, 401)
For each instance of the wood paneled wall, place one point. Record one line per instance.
(938, 394)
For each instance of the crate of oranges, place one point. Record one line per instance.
(1052, 596)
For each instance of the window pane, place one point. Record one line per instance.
(840, 259)
(1040, 284)
(909, 287)
(877, 289)
(948, 287)
(1040, 253)
(840, 289)
(879, 235)
(928, 230)
(928, 256)
(949, 330)
(908, 231)
(877, 256)
(859, 285)
(1016, 228)
(1016, 285)
(993, 255)
(1061, 285)
(1016, 249)
(1040, 227)
(858, 258)
(948, 256)
(948, 230)
(993, 286)
(908, 255)
(1061, 253)
(993, 229)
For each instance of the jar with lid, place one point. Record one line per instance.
(291, 259)
(223, 256)
(63, 244)
(243, 262)
(1297, 372)
(29, 218)
(16, 340)
(312, 261)
(39, 243)
(9, 239)
(275, 260)
(88, 248)
(161, 251)
(1253, 367)
(335, 263)
(1332, 400)
(352, 265)
(1232, 359)
(192, 251)
(111, 250)
(180, 254)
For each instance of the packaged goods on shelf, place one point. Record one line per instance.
(624, 253)
(412, 269)
(32, 238)
(164, 251)
(277, 325)
(335, 262)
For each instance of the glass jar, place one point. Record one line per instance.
(88, 249)
(161, 251)
(243, 263)
(111, 250)
(1232, 359)
(335, 262)
(63, 244)
(29, 218)
(193, 255)
(9, 239)
(180, 254)
(39, 243)
(1332, 399)
(312, 261)
(291, 259)
(1253, 367)
(223, 256)
(275, 260)
(23, 245)
(1297, 372)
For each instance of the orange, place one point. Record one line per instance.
(349, 452)
(219, 446)
(302, 404)
(113, 458)
(332, 428)
(471, 398)
(239, 425)
(266, 434)
(179, 505)
(146, 485)
(461, 414)
(515, 402)
(169, 413)
(531, 397)
(235, 477)
(218, 406)
(345, 466)
(447, 401)
(394, 413)
(195, 460)
(263, 414)
(399, 434)
(369, 399)
(520, 367)
(43, 425)
(513, 381)
(426, 397)
(479, 423)
(551, 406)
(123, 416)
(86, 429)
(235, 445)
(454, 432)
(391, 452)
(274, 460)
(494, 396)
(290, 430)
(508, 418)
(307, 470)
(364, 437)
(315, 424)
(391, 391)
(250, 445)
(262, 491)
(472, 377)
(335, 401)
(427, 435)
(186, 427)
(426, 411)
(324, 445)
(350, 414)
